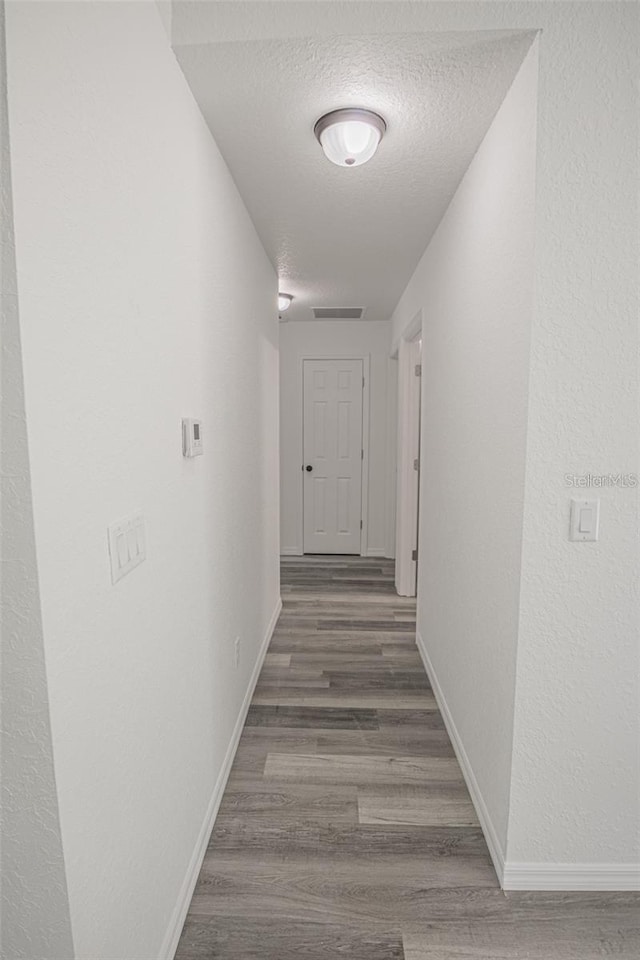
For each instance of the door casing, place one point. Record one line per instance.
(408, 481)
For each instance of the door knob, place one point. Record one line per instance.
(308, 468)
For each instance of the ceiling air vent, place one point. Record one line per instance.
(338, 313)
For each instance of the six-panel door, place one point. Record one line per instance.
(332, 445)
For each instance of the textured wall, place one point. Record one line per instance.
(145, 296)
(474, 285)
(35, 922)
(576, 787)
(326, 338)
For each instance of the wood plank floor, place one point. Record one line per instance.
(346, 829)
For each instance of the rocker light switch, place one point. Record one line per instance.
(127, 546)
(585, 517)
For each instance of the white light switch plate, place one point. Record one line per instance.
(585, 520)
(127, 545)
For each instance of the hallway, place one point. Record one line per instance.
(299, 287)
(346, 828)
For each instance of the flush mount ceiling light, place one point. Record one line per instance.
(284, 301)
(350, 137)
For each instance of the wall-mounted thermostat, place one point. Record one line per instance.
(191, 437)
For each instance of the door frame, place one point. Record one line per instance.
(364, 503)
(408, 499)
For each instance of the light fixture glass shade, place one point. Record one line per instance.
(350, 137)
(284, 301)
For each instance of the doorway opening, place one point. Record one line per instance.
(408, 461)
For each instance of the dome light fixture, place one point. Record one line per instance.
(351, 136)
(284, 301)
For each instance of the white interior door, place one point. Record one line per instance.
(332, 445)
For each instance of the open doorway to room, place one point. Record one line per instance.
(408, 458)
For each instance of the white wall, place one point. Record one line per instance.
(34, 917)
(574, 787)
(575, 794)
(474, 285)
(327, 338)
(145, 296)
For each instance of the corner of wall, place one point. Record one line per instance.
(165, 11)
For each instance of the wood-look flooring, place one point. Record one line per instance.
(346, 829)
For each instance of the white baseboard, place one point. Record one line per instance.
(571, 876)
(375, 552)
(297, 552)
(528, 876)
(490, 835)
(172, 936)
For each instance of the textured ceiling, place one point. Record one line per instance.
(340, 237)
